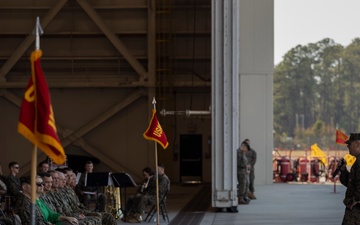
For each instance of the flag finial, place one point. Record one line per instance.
(154, 102)
(38, 31)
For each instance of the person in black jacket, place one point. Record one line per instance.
(352, 181)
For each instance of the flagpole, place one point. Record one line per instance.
(157, 175)
(34, 153)
(157, 186)
(154, 132)
(33, 184)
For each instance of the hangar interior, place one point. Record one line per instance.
(104, 61)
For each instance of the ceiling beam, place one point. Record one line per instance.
(81, 143)
(119, 45)
(16, 55)
(71, 137)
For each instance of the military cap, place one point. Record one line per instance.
(353, 137)
(161, 165)
(25, 180)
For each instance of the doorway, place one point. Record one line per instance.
(191, 158)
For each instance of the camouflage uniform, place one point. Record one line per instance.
(164, 185)
(133, 203)
(13, 189)
(48, 198)
(351, 181)
(24, 208)
(3, 184)
(69, 206)
(6, 221)
(149, 198)
(251, 156)
(242, 174)
(105, 217)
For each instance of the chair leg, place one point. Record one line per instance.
(164, 213)
(151, 213)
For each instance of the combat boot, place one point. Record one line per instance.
(251, 195)
(138, 217)
(244, 201)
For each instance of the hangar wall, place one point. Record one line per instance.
(104, 61)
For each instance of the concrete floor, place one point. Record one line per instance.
(279, 203)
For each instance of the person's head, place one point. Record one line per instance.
(89, 166)
(39, 185)
(26, 185)
(43, 167)
(73, 180)
(68, 174)
(14, 168)
(47, 181)
(244, 147)
(161, 169)
(147, 172)
(62, 179)
(353, 144)
(55, 179)
(248, 142)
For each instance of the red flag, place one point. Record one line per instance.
(36, 122)
(155, 133)
(341, 137)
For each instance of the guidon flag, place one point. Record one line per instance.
(36, 121)
(155, 132)
(341, 137)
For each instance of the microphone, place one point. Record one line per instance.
(342, 162)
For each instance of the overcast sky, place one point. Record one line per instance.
(309, 21)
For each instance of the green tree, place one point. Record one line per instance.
(294, 85)
(327, 70)
(351, 63)
(316, 90)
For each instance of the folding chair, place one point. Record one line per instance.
(163, 210)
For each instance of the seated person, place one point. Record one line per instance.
(73, 181)
(3, 187)
(70, 202)
(6, 221)
(3, 190)
(13, 183)
(60, 202)
(8, 216)
(149, 182)
(43, 214)
(83, 191)
(149, 197)
(148, 174)
(43, 167)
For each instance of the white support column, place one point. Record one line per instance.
(242, 90)
(225, 102)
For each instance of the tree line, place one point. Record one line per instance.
(316, 91)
